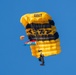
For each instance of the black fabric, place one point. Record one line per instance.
(51, 22)
(56, 35)
(38, 26)
(44, 37)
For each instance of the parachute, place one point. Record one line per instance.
(39, 26)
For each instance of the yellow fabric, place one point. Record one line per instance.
(40, 17)
(48, 48)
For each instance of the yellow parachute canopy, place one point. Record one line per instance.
(40, 27)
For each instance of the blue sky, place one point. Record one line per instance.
(16, 59)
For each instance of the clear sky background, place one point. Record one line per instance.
(16, 59)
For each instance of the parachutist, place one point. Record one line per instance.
(42, 34)
(41, 58)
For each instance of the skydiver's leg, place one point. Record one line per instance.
(42, 60)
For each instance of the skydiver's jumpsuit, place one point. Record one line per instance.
(41, 58)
